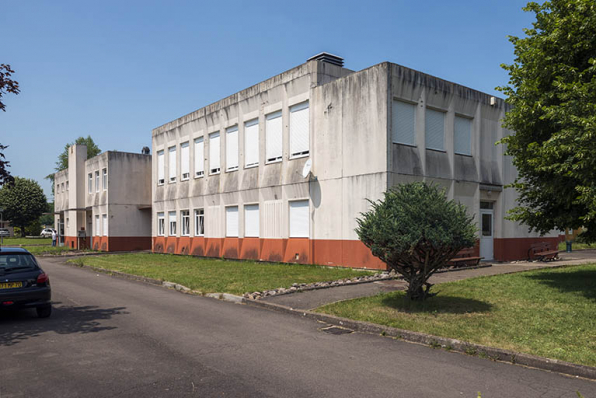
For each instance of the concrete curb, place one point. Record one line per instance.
(494, 354)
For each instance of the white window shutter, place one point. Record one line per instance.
(232, 148)
(299, 129)
(299, 219)
(97, 226)
(199, 157)
(214, 161)
(251, 143)
(232, 221)
(403, 123)
(251, 221)
(435, 130)
(273, 139)
(172, 163)
(184, 160)
(105, 225)
(160, 167)
(272, 219)
(463, 136)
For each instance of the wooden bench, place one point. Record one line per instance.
(542, 251)
(463, 258)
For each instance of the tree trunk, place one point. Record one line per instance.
(418, 288)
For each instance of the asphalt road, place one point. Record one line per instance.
(110, 337)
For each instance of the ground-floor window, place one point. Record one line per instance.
(172, 222)
(299, 219)
(232, 221)
(97, 226)
(161, 224)
(251, 221)
(199, 222)
(105, 225)
(185, 219)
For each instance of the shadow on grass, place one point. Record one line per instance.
(18, 326)
(583, 282)
(436, 305)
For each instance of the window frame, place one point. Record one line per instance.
(273, 116)
(172, 223)
(172, 179)
(426, 124)
(471, 124)
(307, 201)
(395, 115)
(96, 181)
(90, 182)
(183, 146)
(246, 232)
(215, 170)
(293, 109)
(198, 214)
(248, 124)
(201, 161)
(161, 224)
(104, 224)
(161, 154)
(104, 178)
(229, 131)
(237, 232)
(185, 226)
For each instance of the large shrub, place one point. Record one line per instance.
(415, 230)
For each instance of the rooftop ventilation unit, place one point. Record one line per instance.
(329, 58)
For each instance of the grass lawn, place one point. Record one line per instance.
(37, 250)
(215, 275)
(549, 313)
(27, 241)
(576, 246)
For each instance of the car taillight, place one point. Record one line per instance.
(42, 278)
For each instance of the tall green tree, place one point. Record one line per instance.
(5, 176)
(7, 84)
(23, 202)
(62, 162)
(415, 230)
(552, 91)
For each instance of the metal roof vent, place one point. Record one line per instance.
(329, 58)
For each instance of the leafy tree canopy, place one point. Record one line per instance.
(23, 202)
(415, 230)
(552, 90)
(62, 162)
(7, 85)
(5, 176)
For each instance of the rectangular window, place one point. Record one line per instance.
(273, 137)
(403, 123)
(199, 157)
(251, 143)
(232, 221)
(67, 185)
(97, 226)
(299, 219)
(184, 161)
(62, 187)
(161, 172)
(435, 129)
(185, 220)
(199, 222)
(90, 183)
(462, 136)
(172, 222)
(104, 177)
(299, 130)
(105, 224)
(97, 181)
(251, 221)
(214, 154)
(172, 163)
(161, 224)
(232, 148)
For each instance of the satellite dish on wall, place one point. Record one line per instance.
(306, 169)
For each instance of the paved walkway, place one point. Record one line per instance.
(315, 298)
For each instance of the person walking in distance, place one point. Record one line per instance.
(53, 237)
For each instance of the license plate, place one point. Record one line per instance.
(11, 285)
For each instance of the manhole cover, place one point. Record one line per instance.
(336, 330)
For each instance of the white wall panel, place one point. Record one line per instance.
(299, 219)
(251, 220)
(299, 129)
(251, 143)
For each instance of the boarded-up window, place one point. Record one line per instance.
(172, 163)
(160, 168)
(214, 162)
(299, 130)
(232, 221)
(251, 220)
(299, 219)
(199, 157)
(463, 136)
(251, 143)
(273, 139)
(232, 148)
(184, 161)
(435, 130)
(403, 123)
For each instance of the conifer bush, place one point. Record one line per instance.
(416, 230)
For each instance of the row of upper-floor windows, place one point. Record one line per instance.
(104, 180)
(298, 221)
(60, 188)
(299, 141)
(404, 128)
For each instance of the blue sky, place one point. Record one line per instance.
(117, 69)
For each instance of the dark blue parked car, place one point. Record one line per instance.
(23, 284)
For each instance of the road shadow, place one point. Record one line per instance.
(17, 326)
(582, 282)
(436, 304)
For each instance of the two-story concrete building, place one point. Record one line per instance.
(104, 202)
(232, 180)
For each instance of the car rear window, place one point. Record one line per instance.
(11, 262)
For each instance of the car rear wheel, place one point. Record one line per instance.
(44, 312)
